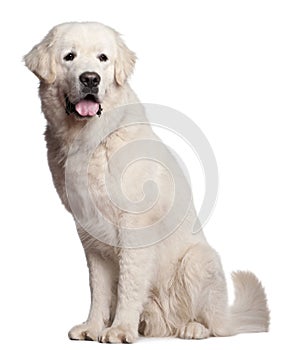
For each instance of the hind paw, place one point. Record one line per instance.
(193, 330)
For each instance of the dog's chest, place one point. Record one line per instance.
(80, 180)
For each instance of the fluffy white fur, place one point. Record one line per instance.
(173, 288)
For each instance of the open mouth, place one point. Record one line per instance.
(88, 107)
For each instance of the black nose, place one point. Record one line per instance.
(90, 79)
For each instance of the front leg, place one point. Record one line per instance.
(102, 277)
(135, 274)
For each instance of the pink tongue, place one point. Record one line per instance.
(87, 108)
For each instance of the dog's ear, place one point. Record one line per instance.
(41, 59)
(124, 63)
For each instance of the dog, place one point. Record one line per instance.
(156, 285)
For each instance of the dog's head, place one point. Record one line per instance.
(82, 61)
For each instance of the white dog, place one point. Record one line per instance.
(175, 287)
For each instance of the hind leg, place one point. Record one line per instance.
(200, 294)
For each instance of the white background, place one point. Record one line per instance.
(220, 63)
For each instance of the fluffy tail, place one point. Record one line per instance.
(249, 313)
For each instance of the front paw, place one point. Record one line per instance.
(84, 331)
(118, 334)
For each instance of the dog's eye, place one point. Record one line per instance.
(69, 57)
(103, 57)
